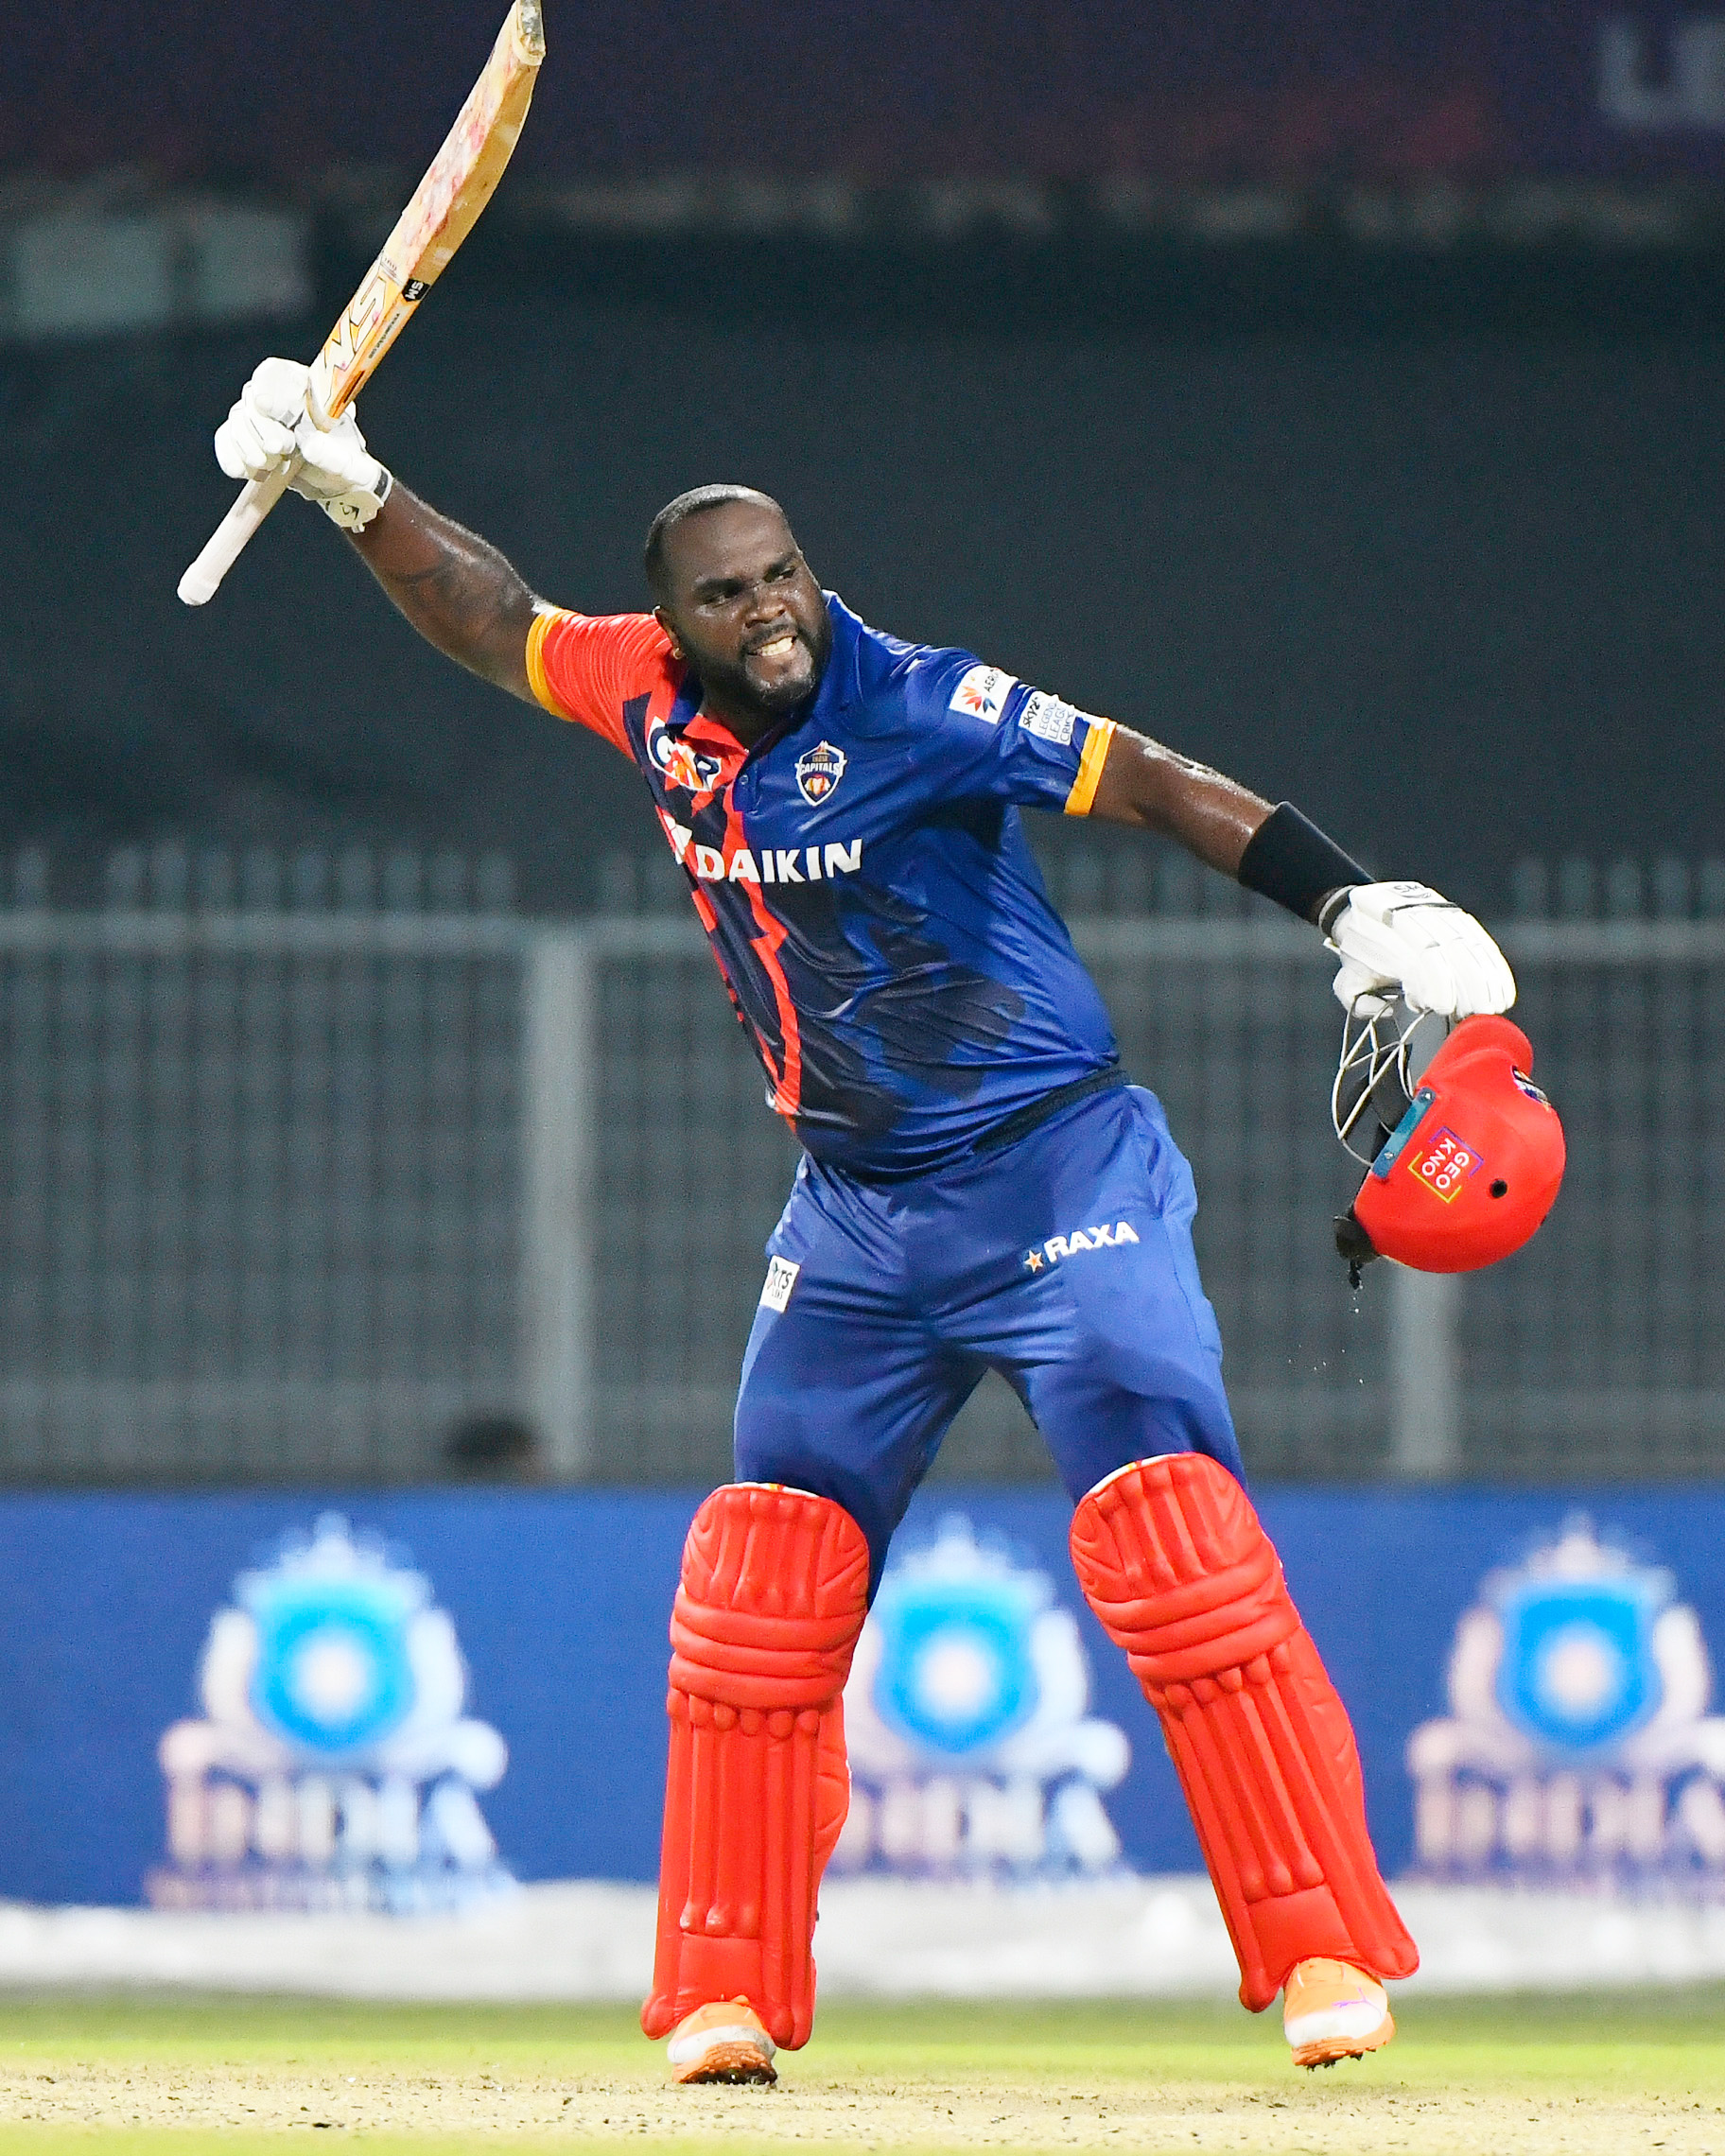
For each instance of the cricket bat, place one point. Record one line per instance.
(444, 208)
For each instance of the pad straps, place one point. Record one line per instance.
(774, 1593)
(1173, 1562)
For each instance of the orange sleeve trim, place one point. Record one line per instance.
(537, 679)
(1098, 740)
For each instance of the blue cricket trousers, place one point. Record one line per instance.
(1064, 1261)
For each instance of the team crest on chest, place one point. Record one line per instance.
(819, 772)
(691, 769)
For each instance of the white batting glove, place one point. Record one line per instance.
(1407, 939)
(270, 426)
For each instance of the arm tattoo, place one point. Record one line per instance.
(456, 590)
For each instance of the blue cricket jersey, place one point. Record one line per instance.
(864, 878)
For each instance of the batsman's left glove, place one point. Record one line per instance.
(1407, 939)
(270, 426)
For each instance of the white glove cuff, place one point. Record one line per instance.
(353, 511)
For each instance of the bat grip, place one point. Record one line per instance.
(229, 540)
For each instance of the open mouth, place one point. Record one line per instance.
(778, 647)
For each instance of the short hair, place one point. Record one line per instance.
(692, 504)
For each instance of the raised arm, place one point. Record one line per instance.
(1404, 937)
(455, 588)
(458, 591)
(1153, 788)
(1276, 851)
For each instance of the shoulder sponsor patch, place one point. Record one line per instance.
(982, 693)
(1049, 718)
(781, 1278)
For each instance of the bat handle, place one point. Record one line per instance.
(229, 540)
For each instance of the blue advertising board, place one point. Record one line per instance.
(207, 1699)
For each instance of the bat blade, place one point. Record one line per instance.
(442, 211)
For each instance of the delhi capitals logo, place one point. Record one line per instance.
(970, 1750)
(1577, 1749)
(690, 769)
(333, 1768)
(818, 773)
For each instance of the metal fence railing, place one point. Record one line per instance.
(258, 1165)
(305, 1162)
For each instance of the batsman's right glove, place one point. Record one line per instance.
(1407, 939)
(270, 426)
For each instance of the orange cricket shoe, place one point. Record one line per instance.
(1331, 2011)
(722, 2042)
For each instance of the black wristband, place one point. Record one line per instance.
(1289, 860)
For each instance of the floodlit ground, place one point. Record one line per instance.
(160, 2073)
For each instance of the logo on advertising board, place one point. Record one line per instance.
(971, 1748)
(333, 1768)
(1577, 1749)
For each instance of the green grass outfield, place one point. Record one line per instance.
(166, 2072)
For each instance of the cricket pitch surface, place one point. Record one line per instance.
(163, 2072)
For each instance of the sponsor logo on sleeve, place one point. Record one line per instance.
(819, 772)
(1049, 718)
(781, 1278)
(982, 693)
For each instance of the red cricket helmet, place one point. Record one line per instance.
(1472, 1170)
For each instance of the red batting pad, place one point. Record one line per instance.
(1173, 1561)
(775, 1590)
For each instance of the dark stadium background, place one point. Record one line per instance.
(1414, 521)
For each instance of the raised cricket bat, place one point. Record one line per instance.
(444, 209)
